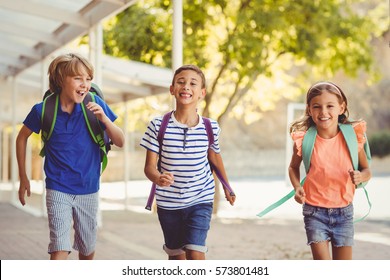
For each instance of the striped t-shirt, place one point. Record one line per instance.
(184, 153)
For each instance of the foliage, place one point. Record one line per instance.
(380, 143)
(244, 44)
(140, 33)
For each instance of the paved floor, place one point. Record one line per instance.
(127, 235)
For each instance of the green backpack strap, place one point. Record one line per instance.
(308, 146)
(276, 204)
(350, 137)
(307, 149)
(352, 143)
(48, 119)
(94, 128)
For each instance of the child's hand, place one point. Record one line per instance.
(97, 110)
(23, 188)
(166, 179)
(300, 195)
(229, 197)
(356, 176)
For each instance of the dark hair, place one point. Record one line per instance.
(193, 68)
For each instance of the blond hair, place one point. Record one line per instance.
(64, 66)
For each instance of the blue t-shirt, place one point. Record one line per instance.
(72, 160)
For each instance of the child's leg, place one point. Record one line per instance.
(59, 255)
(89, 257)
(320, 250)
(85, 210)
(342, 253)
(195, 255)
(342, 241)
(59, 211)
(178, 257)
(197, 220)
(172, 226)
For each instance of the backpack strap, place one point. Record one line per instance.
(351, 140)
(352, 143)
(160, 138)
(308, 146)
(94, 128)
(209, 130)
(48, 117)
(210, 135)
(307, 150)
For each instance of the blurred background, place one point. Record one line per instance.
(259, 58)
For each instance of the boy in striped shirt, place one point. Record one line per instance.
(185, 184)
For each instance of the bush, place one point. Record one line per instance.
(380, 143)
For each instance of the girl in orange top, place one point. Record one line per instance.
(328, 191)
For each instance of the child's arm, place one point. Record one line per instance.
(113, 131)
(364, 172)
(21, 144)
(294, 174)
(216, 159)
(162, 179)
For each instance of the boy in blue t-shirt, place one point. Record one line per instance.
(185, 183)
(73, 164)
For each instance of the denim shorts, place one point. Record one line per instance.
(185, 228)
(329, 224)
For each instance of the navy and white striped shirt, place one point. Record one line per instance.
(184, 153)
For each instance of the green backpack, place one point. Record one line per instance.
(307, 149)
(49, 117)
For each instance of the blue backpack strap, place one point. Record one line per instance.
(160, 138)
(352, 143)
(210, 135)
(307, 150)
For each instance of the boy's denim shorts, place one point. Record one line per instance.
(329, 224)
(185, 228)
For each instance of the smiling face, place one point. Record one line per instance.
(70, 76)
(76, 87)
(325, 110)
(187, 87)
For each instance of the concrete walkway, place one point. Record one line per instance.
(132, 236)
(236, 234)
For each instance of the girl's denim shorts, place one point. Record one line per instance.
(329, 224)
(185, 228)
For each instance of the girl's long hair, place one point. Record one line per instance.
(306, 121)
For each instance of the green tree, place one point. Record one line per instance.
(239, 42)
